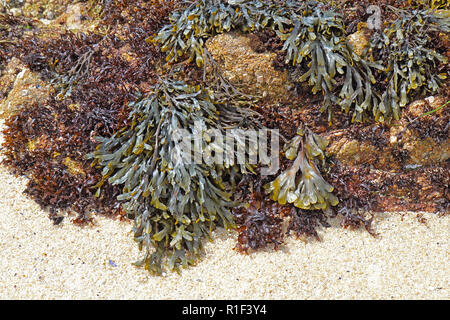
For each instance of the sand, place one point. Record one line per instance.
(409, 260)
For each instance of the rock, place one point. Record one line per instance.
(50, 15)
(380, 150)
(77, 18)
(44, 9)
(251, 72)
(405, 163)
(73, 19)
(16, 12)
(19, 87)
(360, 39)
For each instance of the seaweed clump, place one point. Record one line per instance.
(297, 203)
(185, 36)
(413, 65)
(260, 223)
(318, 39)
(12, 30)
(311, 34)
(263, 222)
(310, 191)
(175, 201)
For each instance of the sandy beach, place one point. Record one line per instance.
(408, 260)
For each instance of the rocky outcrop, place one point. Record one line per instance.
(400, 166)
(248, 70)
(379, 147)
(359, 40)
(403, 166)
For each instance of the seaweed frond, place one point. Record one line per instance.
(309, 191)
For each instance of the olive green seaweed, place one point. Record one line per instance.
(308, 191)
(315, 41)
(175, 203)
(411, 62)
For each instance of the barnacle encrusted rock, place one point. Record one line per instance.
(252, 72)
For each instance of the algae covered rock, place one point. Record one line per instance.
(401, 166)
(130, 72)
(415, 140)
(359, 40)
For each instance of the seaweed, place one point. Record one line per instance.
(185, 36)
(175, 202)
(260, 223)
(315, 41)
(95, 76)
(12, 30)
(113, 92)
(49, 150)
(309, 32)
(357, 190)
(412, 63)
(310, 191)
(319, 38)
(305, 223)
